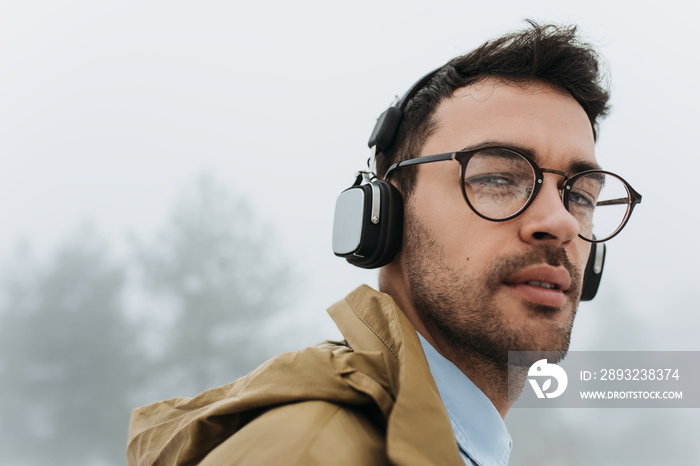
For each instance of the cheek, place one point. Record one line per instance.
(441, 207)
(583, 250)
(450, 223)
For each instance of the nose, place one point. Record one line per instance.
(546, 221)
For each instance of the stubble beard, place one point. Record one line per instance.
(459, 309)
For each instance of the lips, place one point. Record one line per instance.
(541, 284)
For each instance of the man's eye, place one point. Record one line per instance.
(494, 179)
(581, 200)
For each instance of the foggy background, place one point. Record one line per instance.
(168, 173)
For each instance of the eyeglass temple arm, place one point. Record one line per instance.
(618, 201)
(636, 198)
(419, 160)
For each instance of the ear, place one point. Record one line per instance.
(368, 224)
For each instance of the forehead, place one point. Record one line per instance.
(545, 121)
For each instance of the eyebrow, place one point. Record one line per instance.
(575, 166)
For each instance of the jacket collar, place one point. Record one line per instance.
(418, 430)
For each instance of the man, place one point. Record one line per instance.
(490, 169)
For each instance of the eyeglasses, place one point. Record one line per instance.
(499, 183)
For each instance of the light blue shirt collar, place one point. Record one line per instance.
(479, 429)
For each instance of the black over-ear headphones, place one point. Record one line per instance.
(368, 224)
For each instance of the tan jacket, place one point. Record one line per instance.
(369, 400)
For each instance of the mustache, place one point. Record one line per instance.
(503, 267)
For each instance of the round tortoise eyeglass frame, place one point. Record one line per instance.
(463, 157)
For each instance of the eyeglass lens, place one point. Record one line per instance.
(499, 183)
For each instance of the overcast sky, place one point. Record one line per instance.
(109, 108)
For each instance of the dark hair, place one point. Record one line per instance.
(549, 53)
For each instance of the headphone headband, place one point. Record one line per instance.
(387, 125)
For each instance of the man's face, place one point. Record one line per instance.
(486, 286)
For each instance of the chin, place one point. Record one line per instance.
(531, 343)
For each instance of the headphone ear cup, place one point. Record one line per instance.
(593, 272)
(368, 224)
(391, 226)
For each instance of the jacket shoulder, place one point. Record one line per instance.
(308, 382)
(306, 433)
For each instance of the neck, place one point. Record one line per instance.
(500, 382)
